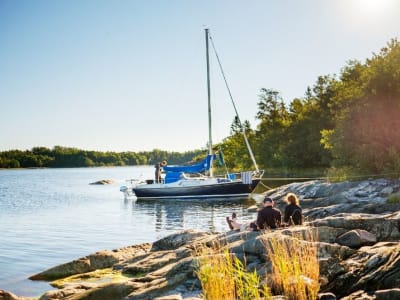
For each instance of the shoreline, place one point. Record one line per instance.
(354, 220)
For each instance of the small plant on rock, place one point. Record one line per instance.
(394, 198)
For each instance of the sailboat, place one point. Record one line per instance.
(198, 180)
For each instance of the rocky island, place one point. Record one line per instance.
(357, 225)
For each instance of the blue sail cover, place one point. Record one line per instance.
(202, 166)
(174, 173)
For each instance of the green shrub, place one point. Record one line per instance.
(393, 198)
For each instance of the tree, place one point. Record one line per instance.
(366, 135)
(308, 117)
(271, 132)
(234, 147)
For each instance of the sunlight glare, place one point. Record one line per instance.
(371, 8)
(365, 17)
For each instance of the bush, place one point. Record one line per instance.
(393, 198)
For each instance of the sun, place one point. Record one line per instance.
(372, 7)
(366, 17)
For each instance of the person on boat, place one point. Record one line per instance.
(293, 212)
(159, 168)
(268, 217)
(158, 171)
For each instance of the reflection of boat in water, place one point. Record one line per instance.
(201, 214)
(198, 180)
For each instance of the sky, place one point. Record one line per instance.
(131, 75)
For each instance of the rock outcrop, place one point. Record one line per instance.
(357, 236)
(103, 182)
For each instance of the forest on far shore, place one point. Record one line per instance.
(67, 157)
(346, 124)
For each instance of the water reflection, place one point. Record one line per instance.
(168, 215)
(201, 214)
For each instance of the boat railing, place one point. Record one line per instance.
(239, 175)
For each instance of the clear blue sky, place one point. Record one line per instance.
(130, 75)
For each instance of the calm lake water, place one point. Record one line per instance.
(52, 216)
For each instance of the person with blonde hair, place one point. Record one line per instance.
(293, 212)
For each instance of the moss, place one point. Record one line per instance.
(393, 198)
(99, 276)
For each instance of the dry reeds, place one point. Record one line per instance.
(216, 280)
(295, 270)
(295, 267)
(223, 276)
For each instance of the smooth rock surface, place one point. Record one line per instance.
(355, 230)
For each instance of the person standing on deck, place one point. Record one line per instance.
(158, 173)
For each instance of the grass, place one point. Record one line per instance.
(295, 267)
(215, 277)
(295, 271)
(224, 276)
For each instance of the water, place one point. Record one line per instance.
(52, 216)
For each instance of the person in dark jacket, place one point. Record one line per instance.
(293, 212)
(268, 217)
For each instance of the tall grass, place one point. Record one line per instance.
(224, 276)
(295, 267)
(216, 280)
(295, 270)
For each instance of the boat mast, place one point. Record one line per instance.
(210, 152)
(234, 106)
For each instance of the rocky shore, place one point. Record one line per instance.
(358, 230)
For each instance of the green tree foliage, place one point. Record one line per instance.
(234, 147)
(66, 157)
(350, 122)
(271, 133)
(307, 118)
(366, 134)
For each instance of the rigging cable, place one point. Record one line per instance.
(234, 107)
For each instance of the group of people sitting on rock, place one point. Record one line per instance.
(270, 217)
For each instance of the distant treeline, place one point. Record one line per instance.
(347, 124)
(65, 157)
